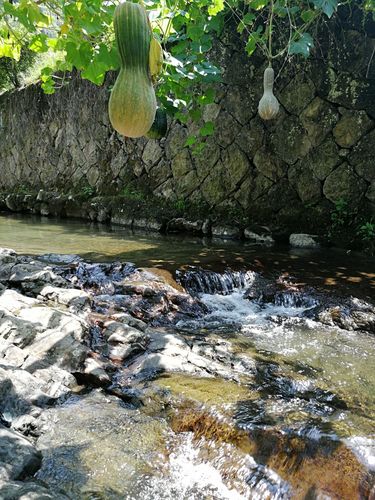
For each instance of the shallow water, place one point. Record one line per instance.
(334, 269)
(300, 423)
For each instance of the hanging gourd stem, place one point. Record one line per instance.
(270, 26)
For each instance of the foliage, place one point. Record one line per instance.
(81, 32)
(339, 216)
(367, 231)
(11, 69)
(87, 192)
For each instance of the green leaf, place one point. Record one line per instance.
(191, 140)
(207, 129)
(327, 6)
(216, 7)
(245, 21)
(252, 41)
(258, 4)
(302, 46)
(307, 15)
(39, 43)
(9, 48)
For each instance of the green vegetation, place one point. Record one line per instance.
(81, 36)
(350, 227)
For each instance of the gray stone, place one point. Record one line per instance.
(290, 141)
(27, 491)
(351, 127)
(18, 457)
(78, 300)
(160, 172)
(226, 129)
(323, 159)
(122, 218)
(181, 164)
(269, 165)
(370, 193)
(151, 154)
(235, 167)
(149, 224)
(207, 159)
(20, 393)
(226, 232)
(300, 240)
(7, 256)
(97, 374)
(303, 180)
(318, 119)
(176, 140)
(362, 157)
(297, 94)
(251, 137)
(259, 237)
(351, 92)
(211, 112)
(240, 104)
(343, 183)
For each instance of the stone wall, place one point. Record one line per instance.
(289, 171)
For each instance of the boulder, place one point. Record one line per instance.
(27, 491)
(226, 232)
(303, 240)
(18, 457)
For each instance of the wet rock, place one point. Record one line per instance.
(169, 352)
(184, 225)
(226, 232)
(198, 280)
(85, 447)
(7, 256)
(27, 491)
(95, 373)
(18, 457)
(262, 236)
(349, 314)
(129, 320)
(300, 240)
(76, 300)
(149, 224)
(55, 381)
(56, 258)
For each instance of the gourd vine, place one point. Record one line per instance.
(68, 35)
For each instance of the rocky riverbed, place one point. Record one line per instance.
(119, 382)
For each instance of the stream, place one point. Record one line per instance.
(243, 380)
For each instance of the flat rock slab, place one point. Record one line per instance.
(27, 491)
(18, 457)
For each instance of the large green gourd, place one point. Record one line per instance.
(132, 104)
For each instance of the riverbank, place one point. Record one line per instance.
(139, 210)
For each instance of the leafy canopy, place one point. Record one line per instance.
(81, 35)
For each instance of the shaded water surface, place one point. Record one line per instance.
(335, 269)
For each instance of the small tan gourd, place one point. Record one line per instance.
(268, 107)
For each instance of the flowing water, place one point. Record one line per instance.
(298, 423)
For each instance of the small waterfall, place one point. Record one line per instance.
(203, 281)
(294, 299)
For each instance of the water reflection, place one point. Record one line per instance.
(99, 242)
